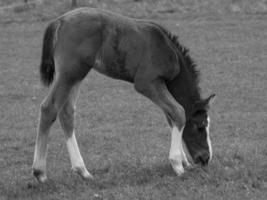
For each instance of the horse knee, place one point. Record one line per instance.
(179, 117)
(67, 112)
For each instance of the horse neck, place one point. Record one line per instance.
(184, 88)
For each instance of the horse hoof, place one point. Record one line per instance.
(40, 175)
(179, 170)
(177, 165)
(83, 173)
(187, 165)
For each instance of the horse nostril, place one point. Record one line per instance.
(197, 160)
(203, 159)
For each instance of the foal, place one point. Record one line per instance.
(137, 51)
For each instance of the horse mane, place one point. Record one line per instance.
(189, 62)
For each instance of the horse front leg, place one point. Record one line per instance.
(158, 93)
(177, 143)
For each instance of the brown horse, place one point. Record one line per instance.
(141, 52)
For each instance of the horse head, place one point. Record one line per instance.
(196, 132)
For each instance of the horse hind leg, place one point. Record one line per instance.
(158, 93)
(66, 117)
(48, 113)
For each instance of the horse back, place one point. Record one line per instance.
(114, 45)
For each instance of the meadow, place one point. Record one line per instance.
(123, 137)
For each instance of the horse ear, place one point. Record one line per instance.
(203, 105)
(211, 98)
(209, 101)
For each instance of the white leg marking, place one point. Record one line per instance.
(187, 155)
(76, 159)
(39, 160)
(177, 155)
(208, 138)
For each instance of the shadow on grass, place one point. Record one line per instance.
(111, 175)
(125, 174)
(117, 175)
(24, 190)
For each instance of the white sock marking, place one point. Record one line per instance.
(208, 137)
(187, 154)
(177, 155)
(76, 159)
(74, 152)
(38, 161)
(40, 151)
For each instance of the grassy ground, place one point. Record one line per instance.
(123, 137)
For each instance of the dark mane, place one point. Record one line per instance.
(190, 63)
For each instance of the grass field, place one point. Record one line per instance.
(123, 137)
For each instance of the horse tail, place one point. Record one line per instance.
(47, 66)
